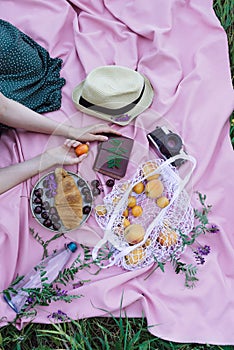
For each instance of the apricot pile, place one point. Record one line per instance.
(132, 207)
(152, 187)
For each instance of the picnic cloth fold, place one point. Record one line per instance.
(27, 72)
(182, 49)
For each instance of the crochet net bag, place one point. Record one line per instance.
(162, 226)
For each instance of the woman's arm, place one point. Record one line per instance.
(17, 173)
(17, 115)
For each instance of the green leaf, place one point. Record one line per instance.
(112, 150)
(17, 280)
(122, 150)
(7, 294)
(161, 266)
(116, 142)
(113, 162)
(43, 273)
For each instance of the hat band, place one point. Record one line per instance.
(111, 111)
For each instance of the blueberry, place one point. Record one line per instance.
(88, 197)
(44, 215)
(110, 182)
(86, 209)
(38, 209)
(46, 205)
(38, 192)
(54, 218)
(96, 191)
(95, 183)
(47, 223)
(85, 190)
(45, 183)
(49, 194)
(37, 200)
(53, 211)
(80, 182)
(56, 226)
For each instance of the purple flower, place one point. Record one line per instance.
(213, 228)
(200, 252)
(200, 260)
(30, 299)
(61, 292)
(203, 250)
(59, 315)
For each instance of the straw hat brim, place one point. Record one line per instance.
(124, 119)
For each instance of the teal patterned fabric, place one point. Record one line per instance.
(27, 72)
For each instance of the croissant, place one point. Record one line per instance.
(68, 199)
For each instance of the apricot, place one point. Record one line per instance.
(167, 238)
(131, 201)
(137, 210)
(162, 202)
(100, 210)
(139, 188)
(154, 188)
(148, 168)
(82, 148)
(134, 233)
(125, 213)
(126, 222)
(135, 256)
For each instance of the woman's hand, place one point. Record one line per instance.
(65, 154)
(16, 115)
(19, 172)
(92, 133)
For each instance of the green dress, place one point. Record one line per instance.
(27, 72)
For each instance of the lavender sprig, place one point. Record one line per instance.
(58, 316)
(203, 250)
(200, 252)
(213, 228)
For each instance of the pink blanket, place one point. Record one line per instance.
(181, 47)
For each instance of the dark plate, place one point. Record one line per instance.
(43, 193)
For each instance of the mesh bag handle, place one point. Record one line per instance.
(107, 233)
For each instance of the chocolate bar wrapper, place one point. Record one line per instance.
(113, 156)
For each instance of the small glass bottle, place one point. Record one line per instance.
(52, 265)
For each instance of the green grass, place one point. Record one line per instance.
(92, 334)
(111, 333)
(224, 10)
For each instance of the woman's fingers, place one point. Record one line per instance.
(102, 128)
(71, 143)
(79, 159)
(106, 129)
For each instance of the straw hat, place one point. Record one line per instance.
(114, 93)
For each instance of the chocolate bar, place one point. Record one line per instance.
(113, 156)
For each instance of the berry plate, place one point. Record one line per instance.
(42, 202)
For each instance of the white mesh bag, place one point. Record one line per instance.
(161, 226)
